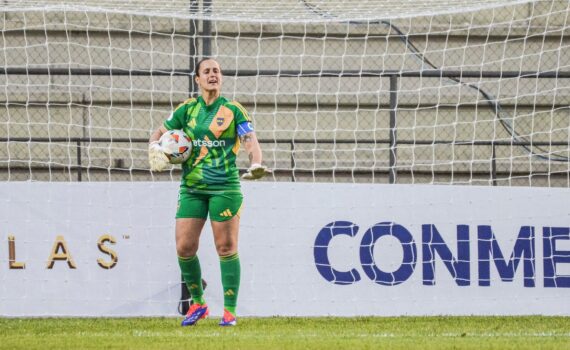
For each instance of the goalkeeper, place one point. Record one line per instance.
(210, 184)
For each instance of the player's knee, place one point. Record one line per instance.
(226, 248)
(186, 248)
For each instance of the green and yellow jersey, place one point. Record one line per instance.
(214, 133)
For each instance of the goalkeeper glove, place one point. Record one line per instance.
(156, 158)
(256, 171)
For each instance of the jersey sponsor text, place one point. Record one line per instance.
(208, 143)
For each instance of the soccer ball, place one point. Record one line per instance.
(176, 145)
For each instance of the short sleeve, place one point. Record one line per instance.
(240, 113)
(176, 119)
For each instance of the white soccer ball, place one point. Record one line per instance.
(176, 145)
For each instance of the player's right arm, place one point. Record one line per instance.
(155, 136)
(156, 157)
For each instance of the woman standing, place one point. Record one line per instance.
(210, 184)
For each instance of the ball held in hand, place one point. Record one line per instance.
(176, 145)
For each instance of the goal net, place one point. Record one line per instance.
(461, 92)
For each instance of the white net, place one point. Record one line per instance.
(440, 92)
(267, 11)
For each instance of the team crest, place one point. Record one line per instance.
(221, 121)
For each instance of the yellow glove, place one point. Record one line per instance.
(156, 158)
(256, 171)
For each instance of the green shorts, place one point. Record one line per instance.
(221, 206)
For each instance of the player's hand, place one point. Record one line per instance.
(156, 158)
(256, 171)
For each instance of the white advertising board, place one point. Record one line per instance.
(107, 249)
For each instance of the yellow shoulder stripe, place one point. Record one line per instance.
(241, 109)
(186, 102)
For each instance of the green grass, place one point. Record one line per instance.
(532, 332)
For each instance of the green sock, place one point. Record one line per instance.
(192, 275)
(230, 267)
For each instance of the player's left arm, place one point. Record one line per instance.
(247, 137)
(251, 145)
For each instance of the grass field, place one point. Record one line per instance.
(529, 332)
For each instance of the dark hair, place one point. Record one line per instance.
(197, 68)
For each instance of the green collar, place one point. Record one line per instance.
(214, 104)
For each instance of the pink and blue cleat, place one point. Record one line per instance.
(228, 319)
(196, 313)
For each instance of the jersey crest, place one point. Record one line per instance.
(222, 120)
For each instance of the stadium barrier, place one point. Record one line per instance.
(307, 249)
